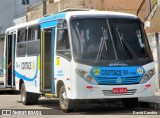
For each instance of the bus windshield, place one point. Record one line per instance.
(102, 39)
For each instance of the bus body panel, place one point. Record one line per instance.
(82, 92)
(9, 31)
(27, 69)
(63, 73)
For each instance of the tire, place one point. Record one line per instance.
(66, 105)
(34, 98)
(130, 102)
(25, 96)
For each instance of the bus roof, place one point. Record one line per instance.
(103, 13)
(52, 17)
(51, 20)
(88, 13)
(27, 24)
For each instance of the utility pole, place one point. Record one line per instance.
(44, 7)
(59, 4)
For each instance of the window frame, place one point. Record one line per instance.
(38, 33)
(26, 42)
(26, 33)
(22, 42)
(35, 40)
(62, 25)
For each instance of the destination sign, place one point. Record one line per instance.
(117, 71)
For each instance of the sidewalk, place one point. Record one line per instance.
(153, 102)
(1, 80)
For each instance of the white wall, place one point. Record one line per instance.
(154, 47)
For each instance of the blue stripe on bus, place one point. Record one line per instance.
(52, 17)
(117, 75)
(17, 74)
(49, 24)
(24, 77)
(53, 84)
(51, 21)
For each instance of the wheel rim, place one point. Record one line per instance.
(63, 100)
(23, 94)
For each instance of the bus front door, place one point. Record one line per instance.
(10, 59)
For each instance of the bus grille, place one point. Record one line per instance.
(109, 92)
(115, 81)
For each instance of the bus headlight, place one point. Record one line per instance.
(147, 76)
(86, 76)
(89, 78)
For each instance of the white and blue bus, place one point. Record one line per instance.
(80, 55)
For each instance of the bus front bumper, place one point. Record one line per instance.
(107, 91)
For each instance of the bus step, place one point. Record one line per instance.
(49, 95)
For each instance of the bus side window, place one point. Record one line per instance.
(63, 47)
(62, 40)
(33, 43)
(22, 34)
(21, 42)
(34, 33)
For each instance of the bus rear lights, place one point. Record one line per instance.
(148, 85)
(89, 87)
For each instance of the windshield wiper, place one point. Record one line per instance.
(123, 41)
(120, 38)
(102, 44)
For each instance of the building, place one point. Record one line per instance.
(10, 10)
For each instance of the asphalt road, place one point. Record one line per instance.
(51, 107)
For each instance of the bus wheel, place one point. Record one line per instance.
(25, 96)
(34, 99)
(130, 102)
(65, 103)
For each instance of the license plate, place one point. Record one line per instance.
(119, 90)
